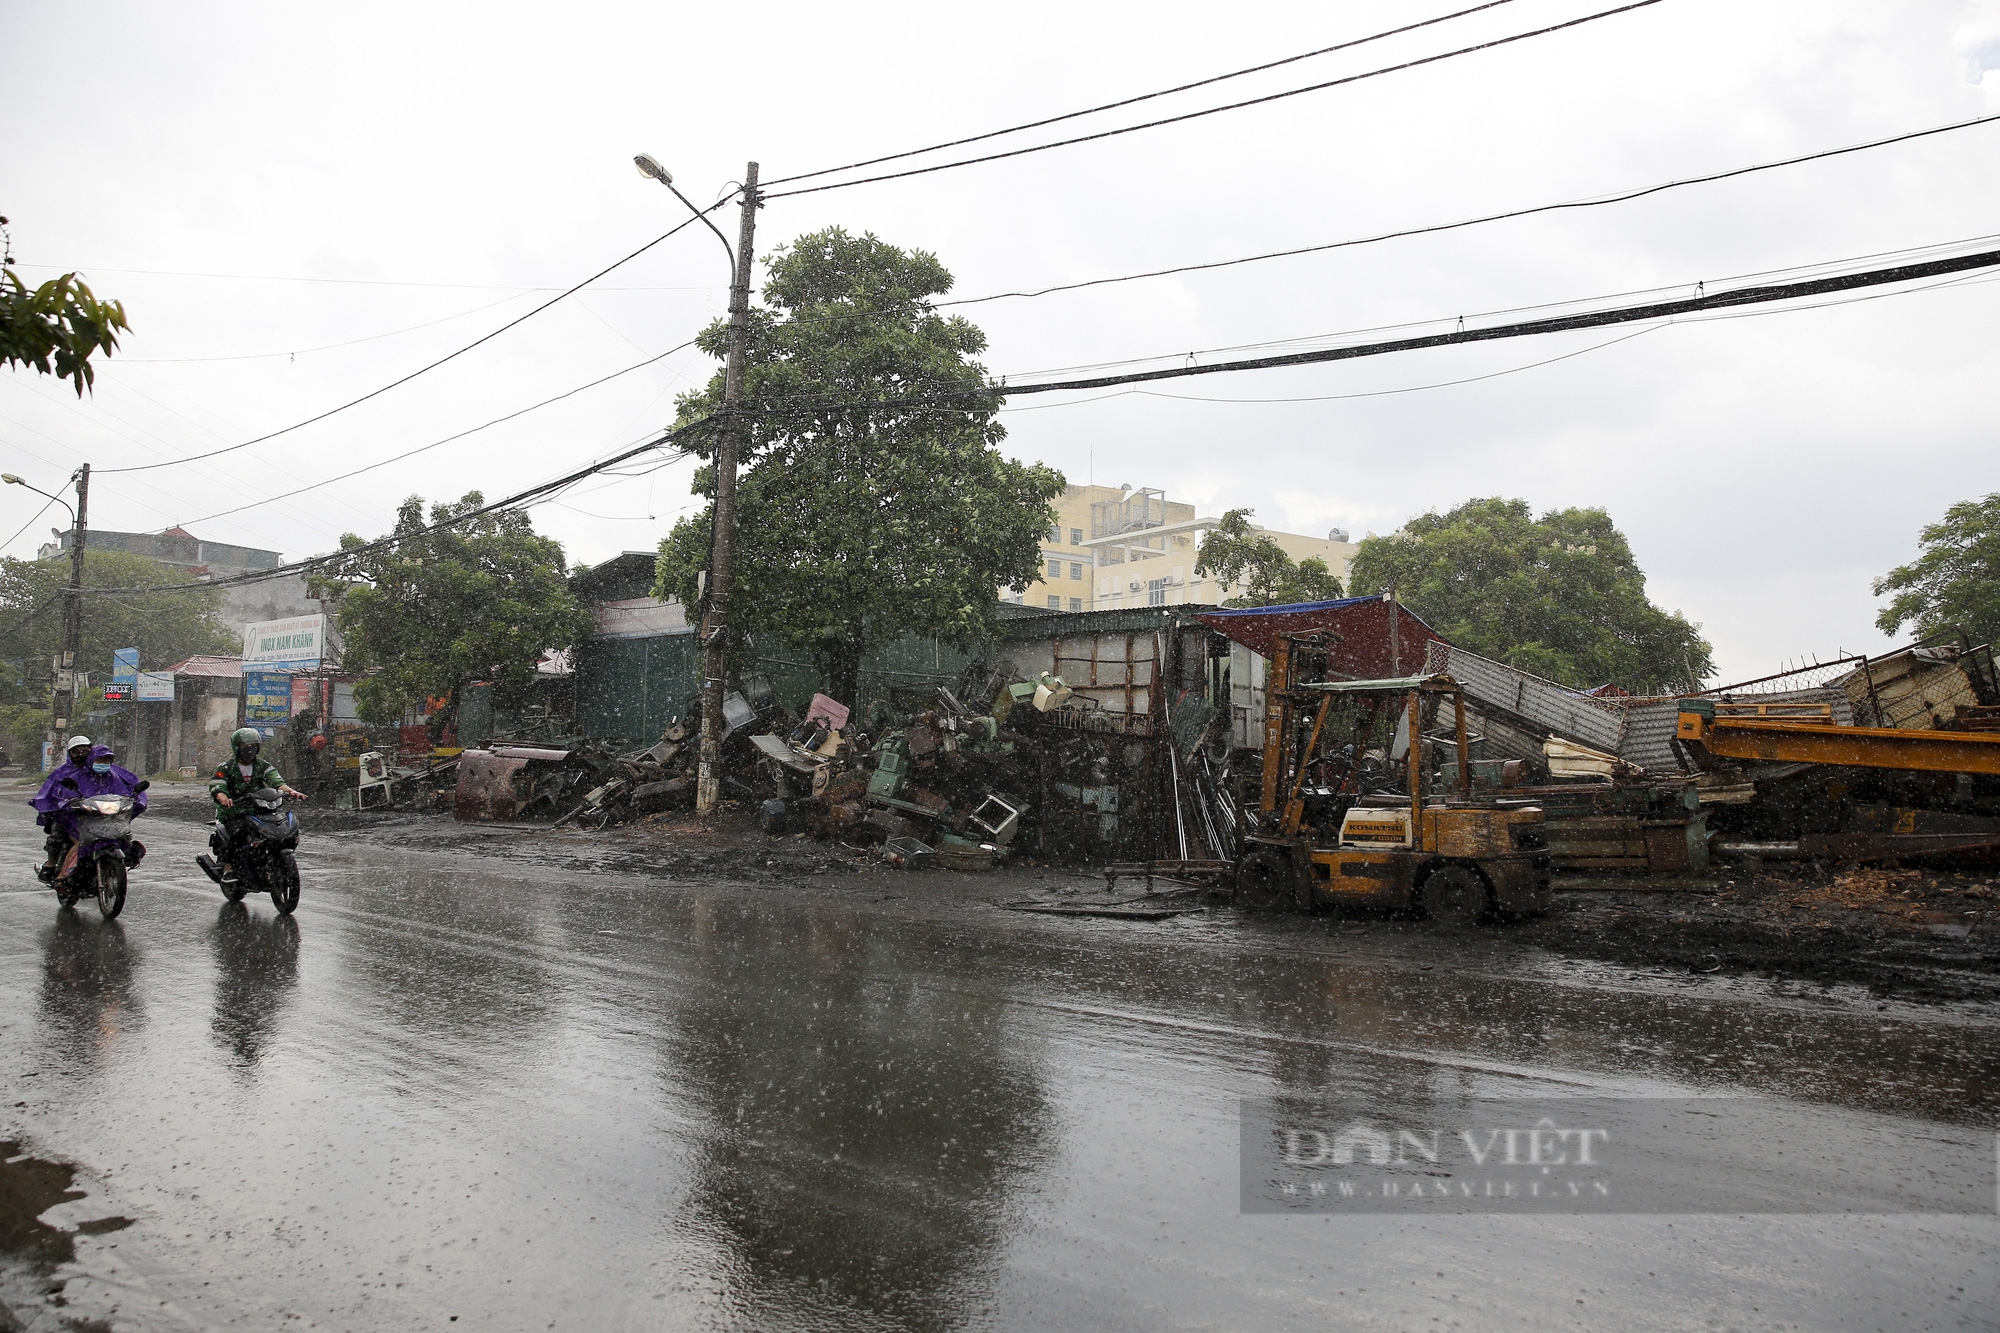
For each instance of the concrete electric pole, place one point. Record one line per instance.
(708, 786)
(64, 712)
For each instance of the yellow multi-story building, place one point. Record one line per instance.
(1113, 546)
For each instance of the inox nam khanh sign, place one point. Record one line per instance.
(297, 642)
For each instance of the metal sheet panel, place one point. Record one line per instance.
(1568, 713)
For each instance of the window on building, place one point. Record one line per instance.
(1075, 570)
(1156, 591)
(1076, 603)
(1055, 534)
(1055, 603)
(1055, 569)
(1076, 536)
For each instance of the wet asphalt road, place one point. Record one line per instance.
(496, 1093)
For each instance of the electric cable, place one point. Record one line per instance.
(1479, 221)
(412, 453)
(306, 351)
(542, 490)
(1583, 320)
(29, 524)
(374, 393)
(1796, 271)
(1702, 301)
(1727, 300)
(1211, 111)
(1335, 397)
(1130, 101)
(32, 616)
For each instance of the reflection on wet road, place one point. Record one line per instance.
(527, 1098)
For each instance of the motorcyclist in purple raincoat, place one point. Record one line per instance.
(100, 776)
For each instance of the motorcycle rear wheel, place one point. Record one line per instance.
(66, 898)
(110, 886)
(285, 892)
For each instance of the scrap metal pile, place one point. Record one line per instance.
(925, 776)
(1864, 758)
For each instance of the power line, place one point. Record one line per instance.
(343, 282)
(1584, 320)
(1211, 111)
(146, 467)
(412, 453)
(25, 526)
(957, 399)
(1143, 97)
(547, 489)
(1821, 268)
(1589, 319)
(324, 347)
(1371, 393)
(1478, 221)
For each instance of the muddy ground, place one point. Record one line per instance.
(1907, 933)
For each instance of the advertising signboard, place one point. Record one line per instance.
(155, 685)
(124, 673)
(267, 698)
(298, 642)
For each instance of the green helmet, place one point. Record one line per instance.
(246, 737)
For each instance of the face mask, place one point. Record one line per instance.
(100, 768)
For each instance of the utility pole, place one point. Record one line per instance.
(708, 786)
(62, 715)
(1395, 644)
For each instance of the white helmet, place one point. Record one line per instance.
(75, 741)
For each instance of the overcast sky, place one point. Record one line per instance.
(298, 204)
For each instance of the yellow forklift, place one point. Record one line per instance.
(1333, 830)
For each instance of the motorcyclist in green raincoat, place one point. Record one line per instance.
(233, 780)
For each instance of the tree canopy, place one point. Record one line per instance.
(1954, 583)
(860, 516)
(480, 600)
(1236, 553)
(1559, 595)
(56, 327)
(164, 626)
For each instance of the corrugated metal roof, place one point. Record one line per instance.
(1362, 623)
(203, 665)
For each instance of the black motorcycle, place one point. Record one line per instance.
(263, 860)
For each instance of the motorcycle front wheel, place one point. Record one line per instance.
(285, 892)
(110, 886)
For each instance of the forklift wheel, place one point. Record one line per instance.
(1454, 895)
(1264, 881)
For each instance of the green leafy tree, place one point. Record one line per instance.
(57, 327)
(1559, 595)
(480, 600)
(861, 517)
(1955, 583)
(1237, 554)
(164, 626)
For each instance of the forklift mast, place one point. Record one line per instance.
(1296, 673)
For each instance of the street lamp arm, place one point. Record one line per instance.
(13, 480)
(651, 168)
(703, 215)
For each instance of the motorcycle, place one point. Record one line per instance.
(104, 847)
(263, 861)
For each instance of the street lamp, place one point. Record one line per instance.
(650, 166)
(13, 480)
(708, 785)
